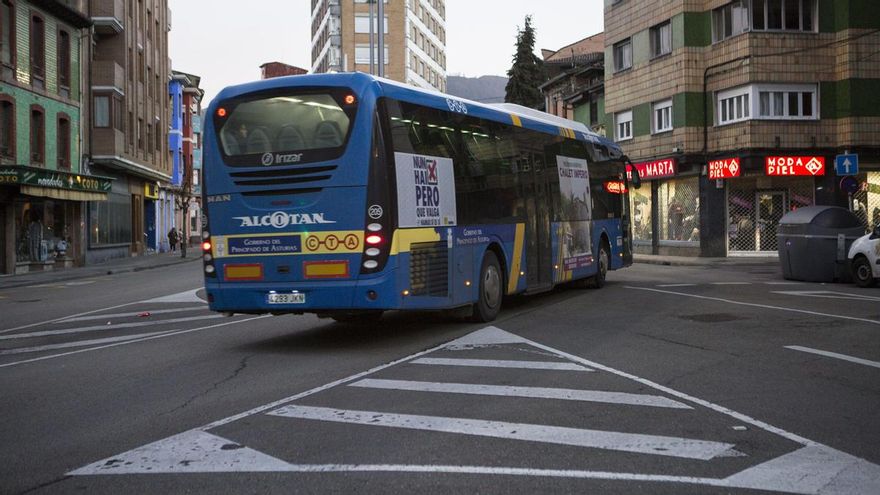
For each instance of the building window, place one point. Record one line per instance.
(102, 111)
(661, 39)
(7, 38)
(796, 102)
(63, 133)
(729, 20)
(623, 125)
(623, 55)
(362, 54)
(64, 63)
(734, 106)
(38, 135)
(38, 51)
(7, 127)
(784, 15)
(662, 112)
(362, 24)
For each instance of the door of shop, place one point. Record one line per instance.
(770, 206)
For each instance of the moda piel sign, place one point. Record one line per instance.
(30, 176)
(425, 190)
(657, 169)
(787, 166)
(726, 168)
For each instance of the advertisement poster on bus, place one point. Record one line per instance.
(576, 208)
(425, 190)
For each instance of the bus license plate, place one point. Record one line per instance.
(293, 298)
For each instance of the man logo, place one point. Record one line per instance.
(375, 212)
(268, 159)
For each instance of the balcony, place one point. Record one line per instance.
(108, 74)
(107, 16)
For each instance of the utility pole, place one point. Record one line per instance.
(372, 20)
(381, 48)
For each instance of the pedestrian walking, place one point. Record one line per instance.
(173, 237)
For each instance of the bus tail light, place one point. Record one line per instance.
(380, 213)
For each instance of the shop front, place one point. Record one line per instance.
(42, 217)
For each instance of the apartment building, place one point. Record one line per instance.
(575, 89)
(414, 33)
(45, 186)
(130, 114)
(734, 112)
(186, 152)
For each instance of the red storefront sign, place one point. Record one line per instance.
(615, 187)
(724, 169)
(787, 166)
(657, 169)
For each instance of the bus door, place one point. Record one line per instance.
(539, 249)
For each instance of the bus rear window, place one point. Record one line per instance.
(311, 127)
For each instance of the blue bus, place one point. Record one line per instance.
(347, 195)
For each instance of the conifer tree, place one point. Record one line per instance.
(527, 71)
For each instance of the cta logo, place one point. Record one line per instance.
(281, 219)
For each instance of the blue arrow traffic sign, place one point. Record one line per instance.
(846, 164)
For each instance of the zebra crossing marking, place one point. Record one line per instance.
(500, 363)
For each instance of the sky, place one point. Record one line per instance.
(225, 43)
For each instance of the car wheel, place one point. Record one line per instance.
(862, 275)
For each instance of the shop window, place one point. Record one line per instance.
(7, 127)
(866, 201)
(623, 125)
(679, 209)
(661, 39)
(641, 208)
(623, 55)
(38, 135)
(110, 221)
(63, 136)
(38, 51)
(662, 116)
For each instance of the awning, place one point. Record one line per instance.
(67, 194)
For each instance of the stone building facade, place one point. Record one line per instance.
(735, 112)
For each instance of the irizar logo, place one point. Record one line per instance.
(280, 219)
(272, 158)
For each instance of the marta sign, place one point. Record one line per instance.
(657, 169)
(787, 166)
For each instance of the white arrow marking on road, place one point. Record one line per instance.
(181, 297)
(827, 294)
(78, 343)
(834, 355)
(500, 363)
(533, 392)
(559, 435)
(189, 452)
(107, 327)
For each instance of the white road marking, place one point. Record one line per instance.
(559, 435)
(850, 475)
(677, 285)
(47, 333)
(132, 314)
(202, 453)
(731, 283)
(22, 327)
(827, 294)
(532, 392)
(169, 333)
(500, 363)
(81, 282)
(180, 297)
(755, 305)
(834, 355)
(783, 283)
(78, 343)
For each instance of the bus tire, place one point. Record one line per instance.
(603, 259)
(490, 289)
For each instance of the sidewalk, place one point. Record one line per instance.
(120, 265)
(653, 259)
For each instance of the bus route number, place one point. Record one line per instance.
(456, 106)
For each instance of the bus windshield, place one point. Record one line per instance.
(291, 125)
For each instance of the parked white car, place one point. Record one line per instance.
(864, 259)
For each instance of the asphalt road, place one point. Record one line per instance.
(668, 380)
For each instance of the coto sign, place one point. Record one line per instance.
(724, 169)
(788, 166)
(615, 187)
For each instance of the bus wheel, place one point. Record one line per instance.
(361, 317)
(489, 303)
(597, 281)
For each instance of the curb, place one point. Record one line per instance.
(89, 271)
